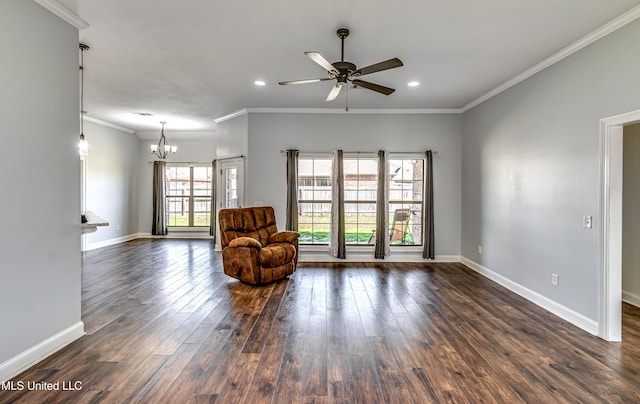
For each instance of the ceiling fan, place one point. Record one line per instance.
(344, 72)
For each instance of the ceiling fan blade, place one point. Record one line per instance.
(378, 67)
(333, 94)
(375, 87)
(285, 83)
(319, 59)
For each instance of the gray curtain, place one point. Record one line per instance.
(428, 239)
(159, 224)
(382, 246)
(292, 190)
(337, 245)
(213, 221)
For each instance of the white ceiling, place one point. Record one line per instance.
(189, 62)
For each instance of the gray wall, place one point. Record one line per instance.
(270, 133)
(112, 181)
(192, 151)
(531, 170)
(631, 215)
(40, 247)
(232, 137)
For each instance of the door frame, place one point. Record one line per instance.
(225, 164)
(610, 273)
(221, 165)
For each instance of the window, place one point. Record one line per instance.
(188, 196)
(406, 192)
(314, 199)
(360, 193)
(231, 187)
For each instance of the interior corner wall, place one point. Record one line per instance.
(631, 215)
(189, 151)
(40, 248)
(271, 132)
(233, 137)
(531, 171)
(112, 183)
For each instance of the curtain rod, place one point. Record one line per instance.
(358, 152)
(231, 158)
(182, 162)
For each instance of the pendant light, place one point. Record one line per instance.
(163, 150)
(83, 146)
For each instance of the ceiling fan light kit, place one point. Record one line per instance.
(344, 72)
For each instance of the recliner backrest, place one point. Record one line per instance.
(258, 222)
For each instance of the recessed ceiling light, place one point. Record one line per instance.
(259, 83)
(413, 84)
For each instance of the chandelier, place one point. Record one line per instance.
(83, 146)
(163, 149)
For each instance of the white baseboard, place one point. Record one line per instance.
(559, 310)
(631, 298)
(123, 239)
(112, 241)
(177, 235)
(37, 353)
(318, 256)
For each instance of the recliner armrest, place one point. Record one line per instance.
(245, 242)
(284, 237)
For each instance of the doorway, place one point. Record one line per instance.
(231, 183)
(230, 186)
(611, 181)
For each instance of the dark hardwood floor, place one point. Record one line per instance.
(165, 325)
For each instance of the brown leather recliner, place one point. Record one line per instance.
(253, 250)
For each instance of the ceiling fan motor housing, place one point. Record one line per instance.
(343, 33)
(344, 68)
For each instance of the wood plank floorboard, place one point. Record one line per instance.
(164, 324)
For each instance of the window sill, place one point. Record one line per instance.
(188, 229)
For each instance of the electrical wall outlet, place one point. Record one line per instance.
(555, 279)
(117, 227)
(480, 249)
(586, 222)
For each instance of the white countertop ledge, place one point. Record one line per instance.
(93, 222)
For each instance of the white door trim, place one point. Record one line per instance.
(610, 274)
(222, 165)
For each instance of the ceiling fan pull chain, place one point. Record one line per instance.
(346, 103)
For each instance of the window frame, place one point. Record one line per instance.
(391, 202)
(357, 201)
(191, 197)
(314, 156)
(421, 203)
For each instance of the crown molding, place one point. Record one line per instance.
(108, 124)
(388, 111)
(409, 111)
(231, 116)
(68, 16)
(585, 41)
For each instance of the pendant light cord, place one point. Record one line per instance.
(81, 91)
(83, 48)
